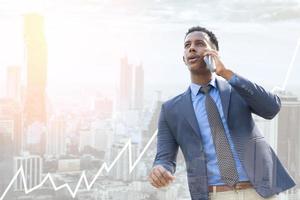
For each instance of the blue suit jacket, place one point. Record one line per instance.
(178, 127)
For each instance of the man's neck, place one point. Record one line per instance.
(201, 79)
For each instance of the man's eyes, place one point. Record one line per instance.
(202, 44)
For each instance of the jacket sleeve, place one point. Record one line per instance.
(167, 147)
(260, 101)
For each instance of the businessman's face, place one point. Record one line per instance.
(195, 45)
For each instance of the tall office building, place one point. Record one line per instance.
(56, 136)
(131, 94)
(13, 83)
(36, 64)
(32, 166)
(138, 87)
(288, 143)
(125, 94)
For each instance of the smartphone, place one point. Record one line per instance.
(210, 63)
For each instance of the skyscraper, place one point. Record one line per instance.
(138, 87)
(131, 94)
(35, 100)
(125, 94)
(36, 63)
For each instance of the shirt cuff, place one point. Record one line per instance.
(233, 79)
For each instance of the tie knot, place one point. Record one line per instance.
(205, 89)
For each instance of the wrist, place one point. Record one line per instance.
(226, 74)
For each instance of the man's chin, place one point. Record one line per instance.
(196, 69)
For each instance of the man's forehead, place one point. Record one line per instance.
(199, 35)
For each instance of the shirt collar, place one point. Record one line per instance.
(195, 87)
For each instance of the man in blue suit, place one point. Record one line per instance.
(226, 156)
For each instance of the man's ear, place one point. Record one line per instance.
(183, 59)
(214, 47)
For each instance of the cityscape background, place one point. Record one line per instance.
(81, 78)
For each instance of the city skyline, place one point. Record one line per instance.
(82, 82)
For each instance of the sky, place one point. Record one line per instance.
(87, 38)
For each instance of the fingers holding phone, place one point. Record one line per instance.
(214, 62)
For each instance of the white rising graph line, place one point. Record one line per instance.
(83, 178)
(290, 68)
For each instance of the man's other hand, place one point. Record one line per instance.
(160, 177)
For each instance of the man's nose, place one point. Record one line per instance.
(192, 48)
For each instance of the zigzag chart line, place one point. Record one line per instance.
(83, 177)
(104, 166)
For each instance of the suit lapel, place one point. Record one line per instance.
(187, 109)
(224, 91)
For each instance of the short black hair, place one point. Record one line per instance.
(210, 34)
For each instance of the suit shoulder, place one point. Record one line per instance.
(170, 103)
